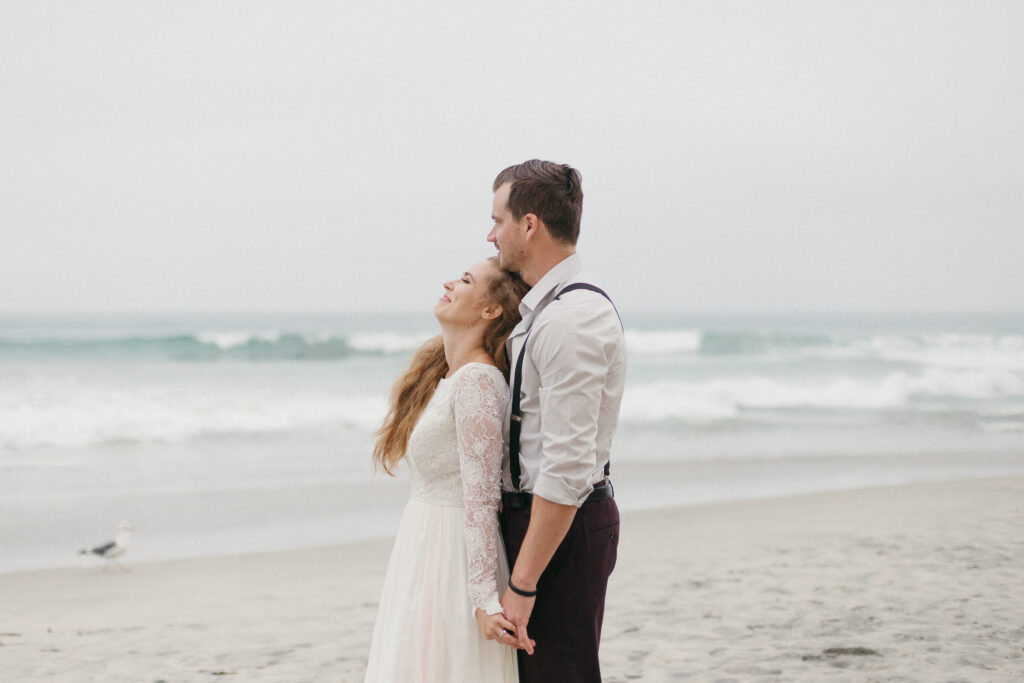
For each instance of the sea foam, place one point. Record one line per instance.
(701, 401)
(95, 416)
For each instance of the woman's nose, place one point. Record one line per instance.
(448, 285)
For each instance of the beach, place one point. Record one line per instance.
(804, 497)
(919, 582)
(231, 229)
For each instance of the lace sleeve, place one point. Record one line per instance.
(480, 400)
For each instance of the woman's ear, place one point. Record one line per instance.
(491, 312)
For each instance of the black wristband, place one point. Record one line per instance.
(520, 591)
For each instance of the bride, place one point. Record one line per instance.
(448, 562)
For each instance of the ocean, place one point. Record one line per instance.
(226, 434)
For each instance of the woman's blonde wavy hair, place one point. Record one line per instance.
(413, 389)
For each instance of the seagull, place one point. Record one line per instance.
(111, 550)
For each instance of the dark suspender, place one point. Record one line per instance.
(516, 425)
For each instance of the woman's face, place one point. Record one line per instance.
(465, 298)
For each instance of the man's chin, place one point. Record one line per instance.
(507, 263)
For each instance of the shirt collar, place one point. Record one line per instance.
(563, 270)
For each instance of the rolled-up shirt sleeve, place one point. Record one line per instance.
(570, 351)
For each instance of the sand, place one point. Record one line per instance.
(921, 582)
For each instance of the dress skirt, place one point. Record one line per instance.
(425, 630)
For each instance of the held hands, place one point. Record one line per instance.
(517, 610)
(497, 627)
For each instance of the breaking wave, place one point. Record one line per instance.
(1002, 351)
(729, 397)
(219, 345)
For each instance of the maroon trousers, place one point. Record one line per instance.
(566, 619)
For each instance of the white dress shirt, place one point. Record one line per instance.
(573, 376)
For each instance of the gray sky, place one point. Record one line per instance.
(336, 156)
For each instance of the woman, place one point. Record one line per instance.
(448, 561)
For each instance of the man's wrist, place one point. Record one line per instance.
(523, 581)
(518, 589)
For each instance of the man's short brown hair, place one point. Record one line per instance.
(553, 192)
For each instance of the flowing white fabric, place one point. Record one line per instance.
(448, 558)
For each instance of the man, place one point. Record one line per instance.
(559, 520)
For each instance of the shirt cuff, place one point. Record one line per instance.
(558, 491)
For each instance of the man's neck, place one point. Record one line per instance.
(544, 262)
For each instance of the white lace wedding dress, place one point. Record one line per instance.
(448, 558)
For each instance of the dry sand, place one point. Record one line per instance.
(911, 583)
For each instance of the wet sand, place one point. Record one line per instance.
(921, 582)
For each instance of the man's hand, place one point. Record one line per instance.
(518, 610)
(497, 627)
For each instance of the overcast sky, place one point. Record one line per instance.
(313, 156)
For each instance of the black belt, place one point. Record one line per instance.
(524, 499)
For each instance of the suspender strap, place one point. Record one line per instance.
(516, 424)
(592, 288)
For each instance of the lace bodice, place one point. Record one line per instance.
(455, 455)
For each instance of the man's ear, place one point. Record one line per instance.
(491, 311)
(532, 224)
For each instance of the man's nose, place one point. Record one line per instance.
(491, 237)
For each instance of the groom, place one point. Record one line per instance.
(559, 518)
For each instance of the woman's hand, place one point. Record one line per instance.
(497, 627)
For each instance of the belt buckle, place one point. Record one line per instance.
(519, 500)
